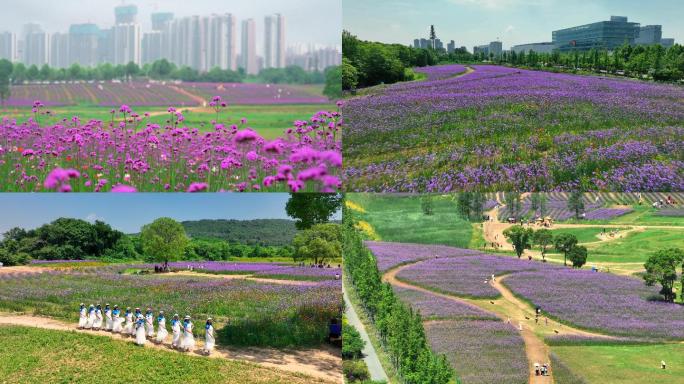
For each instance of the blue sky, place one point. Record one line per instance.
(475, 22)
(128, 212)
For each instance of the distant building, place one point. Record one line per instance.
(222, 37)
(535, 47)
(59, 50)
(8, 46)
(105, 46)
(496, 48)
(601, 35)
(667, 42)
(126, 14)
(151, 47)
(127, 41)
(83, 45)
(649, 35)
(274, 41)
(160, 20)
(481, 49)
(248, 54)
(36, 47)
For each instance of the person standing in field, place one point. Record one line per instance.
(188, 338)
(209, 337)
(98, 318)
(117, 320)
(82, 316)
(176, 329)
(128, 328)
(149, 322)
(91, 317)
(162, 332)
(109, 322)
(140, 330)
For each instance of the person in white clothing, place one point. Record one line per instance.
(162, 332)
(210, 341)
(140, 331)
(97, 324)
(188, 337)
(91, 317)
(149, 323)
(82, 316)
(128, 328)
(176, 329)
(137, 313)
(109, 321)
(116, 320)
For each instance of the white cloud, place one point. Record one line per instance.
(92, 217)
(509, 29)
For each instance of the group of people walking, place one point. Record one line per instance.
(135, 324)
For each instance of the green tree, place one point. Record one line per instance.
(520, 238)
(352, 343)
(513, 204)
(309, 209)
(661, 268)
(320, 243)
(350, 76)
(464, 204)
(6, 69)
(333, 83)
(543, 238)
(164, 240)
(576, 204)
(564, 242)
(578, 256)
(538, 203)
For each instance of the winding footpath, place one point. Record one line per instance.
(324, 364)
(377, 373)
(509, 309)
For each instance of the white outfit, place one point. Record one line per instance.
(176, 329)
(209, 339)
(162, 332)
(82, 318)
(188, 337)
(149, 324)
(128, 328)
(109, 322)
(98, 319)
(116, 323)
(140, 333)
(91, 319)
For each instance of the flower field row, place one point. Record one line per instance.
(390, 255)
(502, 128)
(256, 94)
(259, 269)
(607, 213)
(128, 154)
(435, 307)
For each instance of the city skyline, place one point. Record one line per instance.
(476, 22)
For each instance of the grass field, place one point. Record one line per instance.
(269, 120)
(642, 215)
(584, 235)
(624, 364)
(31, 355)
(400, 218)
(637, 246)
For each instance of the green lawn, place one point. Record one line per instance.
(637, 246)
(584, 235)
(269, 120)
(31, 355)
(401, 219)
(624, 364)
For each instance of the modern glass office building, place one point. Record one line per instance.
(602, 35)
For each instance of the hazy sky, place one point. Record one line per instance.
(308, 21)
(128, 212)
(475, 22)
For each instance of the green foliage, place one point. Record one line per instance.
(400, 329)
(289, 75)
(661, 268)
(164, 240)
(355, 371)
(264, 232)
(564, 242)
(576, 204)
(352, 344)
(513, 203)
(543, 238)
(350, 75)
(426, 205)
(6, 69)
(8, 258)
(520, 237)
(578, 256)
(471, 205)
(309, 209)
(320, 243)
(333, 83)
(538, 203)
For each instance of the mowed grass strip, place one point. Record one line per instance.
(32, 355)
(401, 218)
(637, 246)
(624, 364)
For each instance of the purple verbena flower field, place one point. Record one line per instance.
(501, 128)
(390, 255)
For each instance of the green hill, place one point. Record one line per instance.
(260, 231)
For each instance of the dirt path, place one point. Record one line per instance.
(23, 269)
(247, 277)
(324, 363)
(513, 310)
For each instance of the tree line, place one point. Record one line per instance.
(400, 328)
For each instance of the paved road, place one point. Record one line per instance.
(370, 357)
